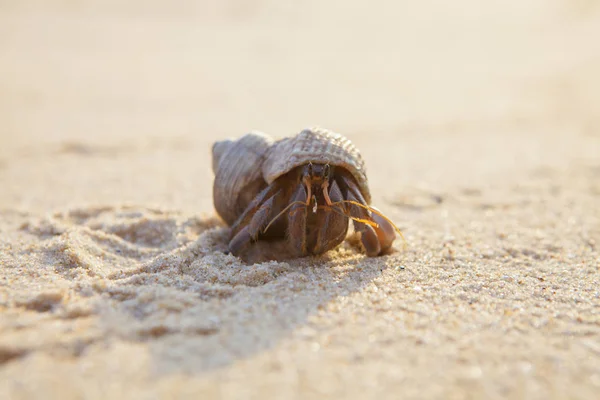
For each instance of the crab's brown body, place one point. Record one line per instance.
(304, 189)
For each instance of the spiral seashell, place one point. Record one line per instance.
(238, 175)
(316, 145)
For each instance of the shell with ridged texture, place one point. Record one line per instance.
(238, 176)
(316, 145)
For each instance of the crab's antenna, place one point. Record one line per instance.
(282, 212)
(356, 203)
(364, 221)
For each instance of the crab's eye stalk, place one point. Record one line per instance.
(326, 171)
(310, 169)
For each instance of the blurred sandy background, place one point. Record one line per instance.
(480, 126)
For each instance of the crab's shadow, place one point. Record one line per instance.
(264, 304)
(168, 283)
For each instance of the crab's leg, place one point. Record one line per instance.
(332, 226)
(244, 219)
(258, 221)
(368, 235)
(297, 221)
(375, 239)
(384, 230)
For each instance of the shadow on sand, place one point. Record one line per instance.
(162, 278)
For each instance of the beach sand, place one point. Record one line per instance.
(480, 128)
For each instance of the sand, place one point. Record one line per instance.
(480, 127)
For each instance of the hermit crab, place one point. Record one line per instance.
(303, 189)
